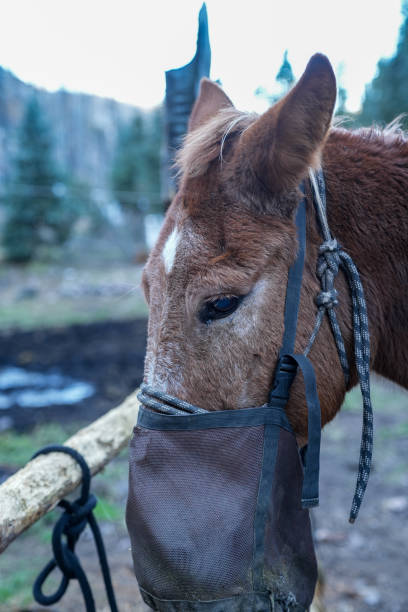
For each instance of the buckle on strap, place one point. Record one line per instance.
(286, 370)
(285, 373)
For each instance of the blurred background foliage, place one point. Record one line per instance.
(136, 169)
(386, 96)
(50, 197)
(39, 209)
(69, 174)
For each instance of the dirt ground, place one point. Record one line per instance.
(365, 565)
(109, 355)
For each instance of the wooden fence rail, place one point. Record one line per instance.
(37, 488)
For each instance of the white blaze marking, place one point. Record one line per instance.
(169, 250)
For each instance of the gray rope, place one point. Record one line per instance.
(328, 264)
(319, 193)
(327, 269)
(165, 403)
(331, 258)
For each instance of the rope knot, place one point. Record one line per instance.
(330, 246)
(327, 299)
(329, 258)
(77, 515)
(67, 530)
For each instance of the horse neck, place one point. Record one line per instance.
(367, 197)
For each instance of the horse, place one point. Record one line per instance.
(215, 281)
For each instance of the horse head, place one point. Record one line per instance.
(216, 279)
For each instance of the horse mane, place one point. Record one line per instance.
(206, 143)
(391, 136)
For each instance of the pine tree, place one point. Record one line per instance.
(285, 75)
(285, 80)
(136, 168)
(341, 101)
(386, 96)
(37, 212)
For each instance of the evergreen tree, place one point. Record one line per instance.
(37, 212)
(341, 94)
(285, 75)
(386, 96)
(136, 168)
(284, 78)
(341, 101)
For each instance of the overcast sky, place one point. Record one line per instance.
(120, 48)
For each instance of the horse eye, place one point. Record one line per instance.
(219, 308)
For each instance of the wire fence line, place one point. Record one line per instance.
(61, 189)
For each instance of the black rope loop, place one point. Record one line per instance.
(67, 530)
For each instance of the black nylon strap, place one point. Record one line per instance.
(285, 371)
(310, 489)
(289, 362)
(279, 397)
(244, 417)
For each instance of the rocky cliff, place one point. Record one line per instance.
(85, 128)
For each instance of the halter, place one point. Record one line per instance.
(331, 258)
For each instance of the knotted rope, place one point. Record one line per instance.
(331, 258)
(71, 524)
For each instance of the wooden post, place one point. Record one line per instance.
(37, 488)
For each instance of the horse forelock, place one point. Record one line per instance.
(206, 143)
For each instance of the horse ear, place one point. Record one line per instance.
(210, 100)
(287, 139)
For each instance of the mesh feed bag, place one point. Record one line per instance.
(214, 512)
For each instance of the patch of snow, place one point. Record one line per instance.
(37, 390)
